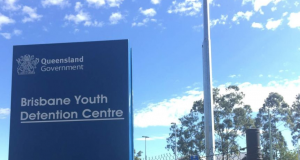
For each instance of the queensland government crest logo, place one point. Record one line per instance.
(27, 64)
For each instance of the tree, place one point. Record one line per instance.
(231, 121)
(279, 110)
(289, 155)
(137, 155)
(295, 120)
(190, 135)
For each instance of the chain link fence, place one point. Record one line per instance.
(169, 156)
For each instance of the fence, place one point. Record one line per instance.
(168, 156)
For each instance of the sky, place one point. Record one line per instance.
(255, 45)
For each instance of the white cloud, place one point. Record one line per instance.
(212, 2)
(258, 4)
(100, 3)
(284, 14)
(78, 6)
(79, 17)
(276, 1)
(169, 110)
(296, 3)
(93, 24)
(82, 17)
(257, 93)
(153, 20)
(273, 24)
(221, 20)
(5, 20)
(4, 112)
(17, 32)
(261, 75)
(214, 22)
(232, 76)
(273, 9)
(257, 25)
(61, 3)
(198, 28)
(148, 12)
(115, 17)
(224, 17)
(187, 7)
(32, 15)
(6, 35)
(114, 3)
(246, 1)
(294, 20)
(242, 15)
(143, 23)
(97, 3)
(10, 5)
(155, 1)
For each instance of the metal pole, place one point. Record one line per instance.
(145, 146)
(207, 85)
(270, 136)
(298, 151)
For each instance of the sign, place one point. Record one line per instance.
(194, 157)
(72, 101)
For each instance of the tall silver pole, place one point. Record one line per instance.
(298, 151)
(145, 146)
(207, 85)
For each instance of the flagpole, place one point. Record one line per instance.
(207, 85)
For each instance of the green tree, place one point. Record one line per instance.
(289, 155)
(137, 155)
(279, 110)
(231, 121)
(190, 135)
(295, 120)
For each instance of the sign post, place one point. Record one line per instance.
(72, 101)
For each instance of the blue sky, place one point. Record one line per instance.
(255, 44)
